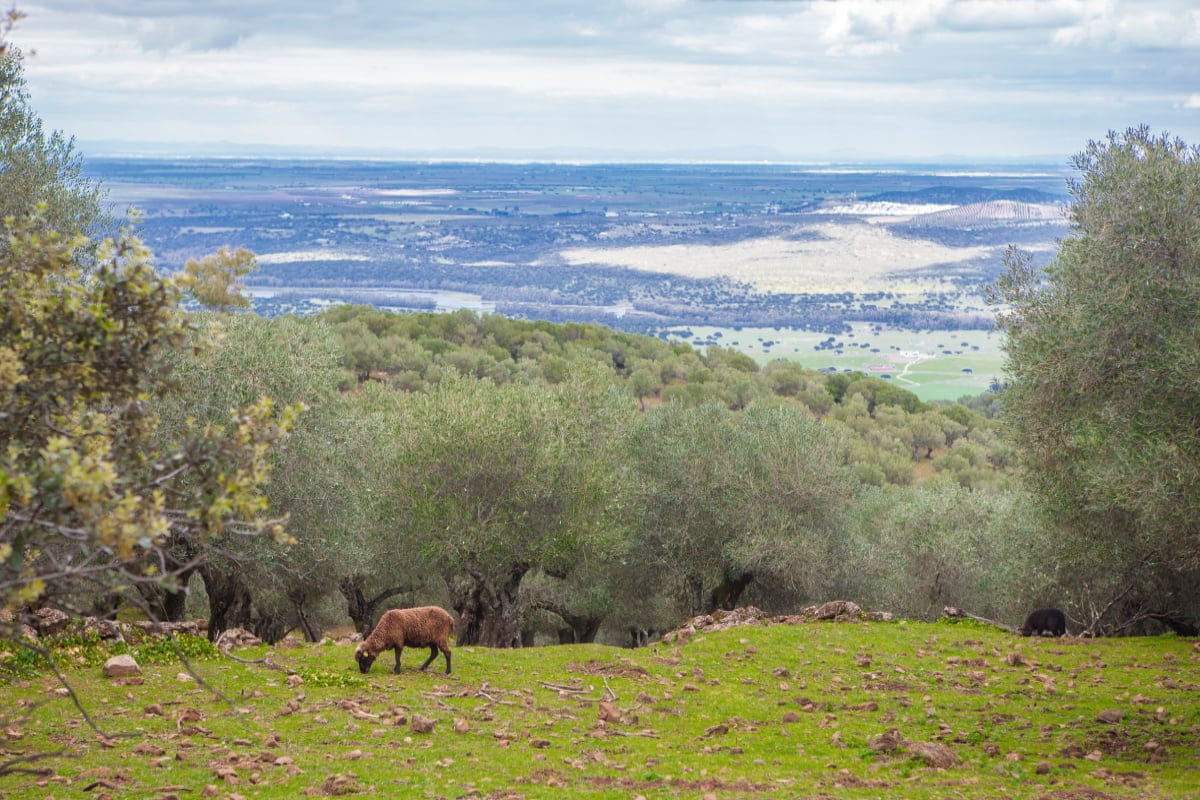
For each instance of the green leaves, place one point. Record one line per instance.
(90, 485)
(1103, 350)
(213, 280)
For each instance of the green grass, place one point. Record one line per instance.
(938, 378)
(783, 711)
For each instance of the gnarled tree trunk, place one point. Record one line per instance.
(229, 602)
(488, 613)
(363, 609)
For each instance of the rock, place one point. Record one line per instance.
(1042, 768)
(1014, 659)
(886, 742)
(1110, 716)
(421, 724)
(121, 666)
(461, 726)
(237, 637)
(106, 628)
(609, 713)
(49, 621)
(835, 610)
(933, 754)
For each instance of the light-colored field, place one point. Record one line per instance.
(937, 373)
(300, 256)
(842, 257)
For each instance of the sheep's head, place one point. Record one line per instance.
(365, 658)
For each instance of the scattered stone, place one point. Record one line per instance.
(421, 724)
(933, 754)
(106, 628)
(1042, 768)
(1110, 716)
(49, 621)
(237, 637)
(887, 742)
(836, 610)
(1015, 659)
(121, 666)
(609, 713)
(341, 785)
(461, 726)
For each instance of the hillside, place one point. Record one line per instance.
(993, 212)
(808, 709)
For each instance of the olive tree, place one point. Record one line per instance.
(495, 481)
(1103, 348)
(92, 492)
(41, 173)
(730, 498)
(236, 358)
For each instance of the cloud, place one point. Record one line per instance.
(870, 27)
(1122, 25)
(794, 75)
(1193, 101)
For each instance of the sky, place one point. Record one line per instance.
(728, 80)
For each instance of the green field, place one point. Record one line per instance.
(759, 711)
(941, 376)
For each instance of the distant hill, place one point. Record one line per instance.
(1000, 211)
(965, 195)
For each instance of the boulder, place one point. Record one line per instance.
(49, 621)
(835, 610)
(121, 667)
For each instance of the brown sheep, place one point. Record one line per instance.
(427, 626)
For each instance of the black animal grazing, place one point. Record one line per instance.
(1045, 620)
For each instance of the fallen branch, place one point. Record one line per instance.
(958, 613)
(568, 689)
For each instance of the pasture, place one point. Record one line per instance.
(805, 710)
(940, 373)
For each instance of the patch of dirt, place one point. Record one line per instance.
(610, 669)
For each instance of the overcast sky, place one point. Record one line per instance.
(787, 80)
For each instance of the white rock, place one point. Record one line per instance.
(121, 666)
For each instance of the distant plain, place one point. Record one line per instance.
(833, 267)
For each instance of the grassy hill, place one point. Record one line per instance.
(808, 710)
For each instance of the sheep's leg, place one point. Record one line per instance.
(433, 651)
(396, 669)
(446, 653)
